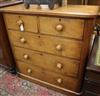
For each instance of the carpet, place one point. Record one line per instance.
(12, 85)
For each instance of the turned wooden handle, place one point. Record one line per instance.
(22, 40)
(29, 70)
(59, 27)
(59, 65)
(26, 56)
(59, 80)
(59, 47)
(19, 22)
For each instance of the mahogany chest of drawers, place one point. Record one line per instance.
(50, 47)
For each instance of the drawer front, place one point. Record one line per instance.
(45, 75)
(21, 22)
(54, 45)
(49, 62)
(72, 28)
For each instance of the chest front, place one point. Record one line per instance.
(50, 50)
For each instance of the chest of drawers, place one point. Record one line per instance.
(50, 47)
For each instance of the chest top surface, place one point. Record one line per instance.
(82, 11)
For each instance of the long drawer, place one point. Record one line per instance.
(54, 45)
(45, 75)
(16, 22)
(65, 27)
(64, 66)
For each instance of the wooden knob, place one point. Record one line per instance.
(59, 27)
(26, 56)
(21, 25)
(59, 65)
(22, 40)
(29, 70)
(19, 22)
(59, 47)
(59, 80)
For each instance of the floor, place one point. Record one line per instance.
(11, 85)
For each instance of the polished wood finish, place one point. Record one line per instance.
(47, 76)
(86, 46)
(44, 43)
(65, 27)
(13, 23)
(49, 62)
(94, 2)
(69, 11)
(55, 61)
(1, 55)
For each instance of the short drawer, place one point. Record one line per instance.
(65, 27)
(45, 75)
(54, 45)
(21, 22)
(60, 65)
